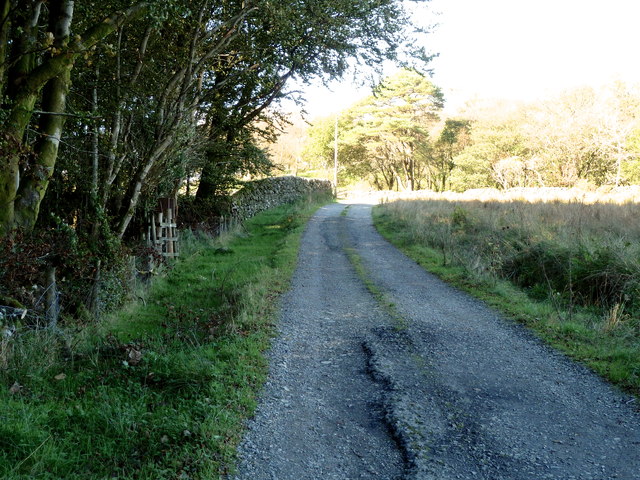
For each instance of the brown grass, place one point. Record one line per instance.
(567, 267)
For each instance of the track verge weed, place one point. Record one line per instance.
(161, 389)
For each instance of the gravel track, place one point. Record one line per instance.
(456, 393)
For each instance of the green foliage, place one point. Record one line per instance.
(162, 389)
(278, 45)
(319, 145)
(159, 92)
(630, 166)
(453, 139)
(459, 217)
(226, 162)
(380, 138)
(582, 135)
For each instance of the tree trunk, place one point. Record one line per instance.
(95, 139)
(209, 178)
(10, 160)
(54, 98)
(34, 185)
(207, 186)
(412, 173)
(5, 26)
(20, 201)
(22, 102)
(23, 49)
(141, 176)
(51, 298)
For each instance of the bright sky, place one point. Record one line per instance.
(520, 49)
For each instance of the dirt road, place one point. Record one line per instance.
(418, 380)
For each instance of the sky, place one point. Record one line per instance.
(517, 49)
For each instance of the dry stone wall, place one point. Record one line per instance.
(261, 195)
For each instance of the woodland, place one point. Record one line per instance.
(400, 138)
(109, 106)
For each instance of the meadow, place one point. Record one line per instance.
(564, 262)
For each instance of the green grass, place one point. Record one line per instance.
(606, 340)
(161, 390)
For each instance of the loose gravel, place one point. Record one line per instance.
(453, 391)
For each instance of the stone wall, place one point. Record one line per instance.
(261, 195)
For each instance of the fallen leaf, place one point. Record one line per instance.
(60, 376)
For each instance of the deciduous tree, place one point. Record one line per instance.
(40, 49)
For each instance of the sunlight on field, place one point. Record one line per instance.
(583, 247)
(607, 194)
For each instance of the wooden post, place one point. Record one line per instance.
(161, 235)
(169, 239)
(154, 233)
(51, 298)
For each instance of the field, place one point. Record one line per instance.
(566, 263)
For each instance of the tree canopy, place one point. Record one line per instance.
(109, 106)
(384, 135)
(398, 138)
(154, 90)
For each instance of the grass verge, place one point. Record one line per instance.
(608, 345)
(161, 390)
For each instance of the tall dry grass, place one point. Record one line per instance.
(574, 261)
(577, 250)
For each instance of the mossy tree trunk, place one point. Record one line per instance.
(35, 180)
(25, 169)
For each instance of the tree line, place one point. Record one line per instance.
(399, 138)
(108, 106)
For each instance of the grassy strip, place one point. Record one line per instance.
(162, 390)
(611, 350)
(381, 297)
(365, 277)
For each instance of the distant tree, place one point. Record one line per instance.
(616, 133)
(452, 140)
(392, 127)
(560, 131)
(286, 151)
(581, 135)
(494, 141)
(319, 145)
(631, 166)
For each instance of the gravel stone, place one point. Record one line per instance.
(456, 393)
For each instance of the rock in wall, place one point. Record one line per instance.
(259, 195)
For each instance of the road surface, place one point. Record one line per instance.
(406, 377)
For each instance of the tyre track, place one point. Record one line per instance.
(321, 415)
(486, 399)
(464, 394)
